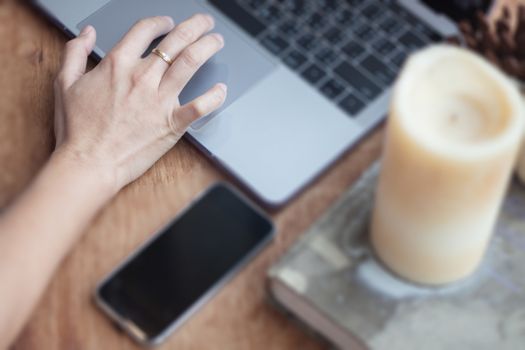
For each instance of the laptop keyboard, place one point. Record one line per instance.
(350, 50)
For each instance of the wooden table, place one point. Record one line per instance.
(239, 317)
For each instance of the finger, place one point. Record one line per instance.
(189, 61)
(140, 36)
(184, 34)
(75, 57)
(203, 105)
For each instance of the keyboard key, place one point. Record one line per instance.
(383, 46)
(328, 4)
(418, 24)
(358, 80)
(403, 12)
(333, 35)
(378, 70)
(343, 17)
(354, 3)
(274, 43)
(316, 21)
(295, 59)
(391, 25)
(270, 14)
(240, 16)
(313, 73)
(427, 32)
(399, 58)
(289, 28)
(255, 4)
(353, 49)
(332, 89)
(351, 105)
(296, 7)
(307, 41)
(326, 55)
(411, 41)
(364, 31)
(372, 11)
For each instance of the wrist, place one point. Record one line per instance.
(79, 169)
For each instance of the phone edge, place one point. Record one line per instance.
(122, 323)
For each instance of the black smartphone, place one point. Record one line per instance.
(164, 282)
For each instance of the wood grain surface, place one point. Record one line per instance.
(239, 317)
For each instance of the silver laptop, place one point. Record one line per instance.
(307, 78)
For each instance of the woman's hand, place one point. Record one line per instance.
(122, 116)
(111, 125)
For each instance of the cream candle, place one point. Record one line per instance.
(453, 135)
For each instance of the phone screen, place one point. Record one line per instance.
(183, 264)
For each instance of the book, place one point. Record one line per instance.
(331, 282)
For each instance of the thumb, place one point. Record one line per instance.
(75, 57)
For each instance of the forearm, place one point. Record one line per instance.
(125, 113)
(38, 231)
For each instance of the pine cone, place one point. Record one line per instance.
(500, 44)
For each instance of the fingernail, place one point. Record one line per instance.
(219, 37)
(210, 19)
(223, 87)
(86, 30)
(169, 19)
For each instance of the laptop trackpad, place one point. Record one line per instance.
(239, 65)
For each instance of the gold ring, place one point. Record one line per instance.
(164, 56)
